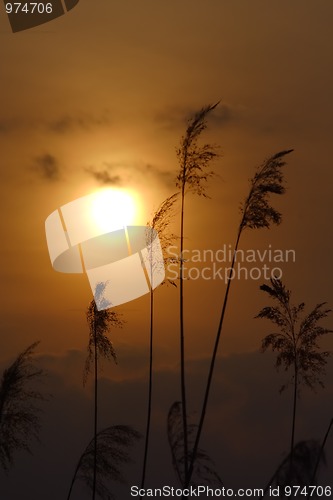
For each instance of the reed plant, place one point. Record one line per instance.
(256, 213)
(194, 172)
(296, 343)
(113, 447)
(100, 322)
(19, 409)
(160, 223)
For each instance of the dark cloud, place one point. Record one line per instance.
(62, 124)
(81, 121)
(151, 171)
(222, 115)
(117, 174)
(104, 176)
(47, 167)
(175, 118)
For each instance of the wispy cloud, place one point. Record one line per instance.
(118, 174)
(104, 176)
(60, 124)
(47, 167)
(80, 121)
(222, 115)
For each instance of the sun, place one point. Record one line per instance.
(113, 208)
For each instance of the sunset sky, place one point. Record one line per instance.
(100, 97)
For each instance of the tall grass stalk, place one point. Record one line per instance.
(95, 411)
(321, 452)
(296, 343)
(160, 223)
(99, 345)
(150, 388)
(194, 161)
(256, 212)
(205, 472)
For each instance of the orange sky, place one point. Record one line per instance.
(106, 90)
(89, 95)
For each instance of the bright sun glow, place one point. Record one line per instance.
(113, 208)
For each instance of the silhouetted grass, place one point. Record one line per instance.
(256, 212)
(194, 161)
(99, 345)
(113, 444)
(306, 454)
(296, 342)
(19, 413)
(204, 469)
(160, 223)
